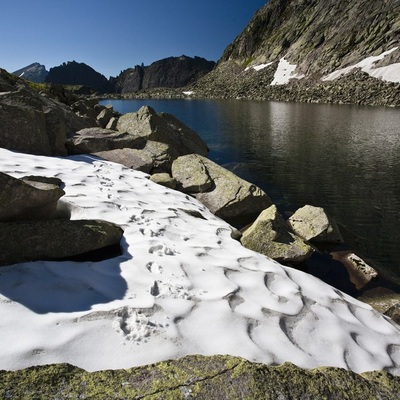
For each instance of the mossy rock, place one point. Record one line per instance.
(197, 377)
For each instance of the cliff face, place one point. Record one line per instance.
(298, 50)
(73, 73)
(172, 72)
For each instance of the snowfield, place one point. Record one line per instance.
(182, 286)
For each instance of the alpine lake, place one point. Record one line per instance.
(344, 158)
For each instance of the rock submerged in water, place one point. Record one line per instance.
(270, 236)
(198, 377)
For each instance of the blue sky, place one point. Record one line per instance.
(111, 36)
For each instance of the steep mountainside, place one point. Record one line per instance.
(73, 73)
(34, 72)
(293, 45)
(172, 72)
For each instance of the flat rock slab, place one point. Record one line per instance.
(93, 140)
(54, 239)
(198, 377)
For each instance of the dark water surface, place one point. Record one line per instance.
(340, 157)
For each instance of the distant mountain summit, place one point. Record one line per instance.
(34, 72)
(172, 72)
(291, 45)
(74, 73)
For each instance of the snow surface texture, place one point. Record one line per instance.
(390, 73)
(182, 286)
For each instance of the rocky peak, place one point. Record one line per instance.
(34, 72)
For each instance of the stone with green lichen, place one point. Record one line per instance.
(197, 377)
(164, 179)
(270, 236)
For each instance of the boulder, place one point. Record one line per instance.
(93, 140)
(314, 224)
(27, 199)
(192, 174)
(360, 272)
(34, 123)
(270, 236)
(112, 123)
(198, 377)
(24, 241)
(229, 197)
(147, 124)
(153, 157)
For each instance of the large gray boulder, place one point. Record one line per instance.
(95, 139)
(34, 123)
(314, 224)
(54, 239)
(224, 193)
(270, 236)
(198, 377)
(29, 199)
(148, 125)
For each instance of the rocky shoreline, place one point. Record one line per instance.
(233, 82)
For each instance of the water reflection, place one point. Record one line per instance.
(344, 158)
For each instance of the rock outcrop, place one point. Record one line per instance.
(198, 377)
(170, 72)
(34, 123)
(221, 191)
(269, 235)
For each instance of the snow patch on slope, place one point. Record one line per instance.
(390, 73)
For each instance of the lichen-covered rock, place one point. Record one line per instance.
(314, 224)
(229, 197)
(191, 173)
(164, 179)
(270, 236)
(198, 377)
(54, 239)
(146, 124)
(27, 199)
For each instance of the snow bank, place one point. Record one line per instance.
(390, 73)
(182, 286)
